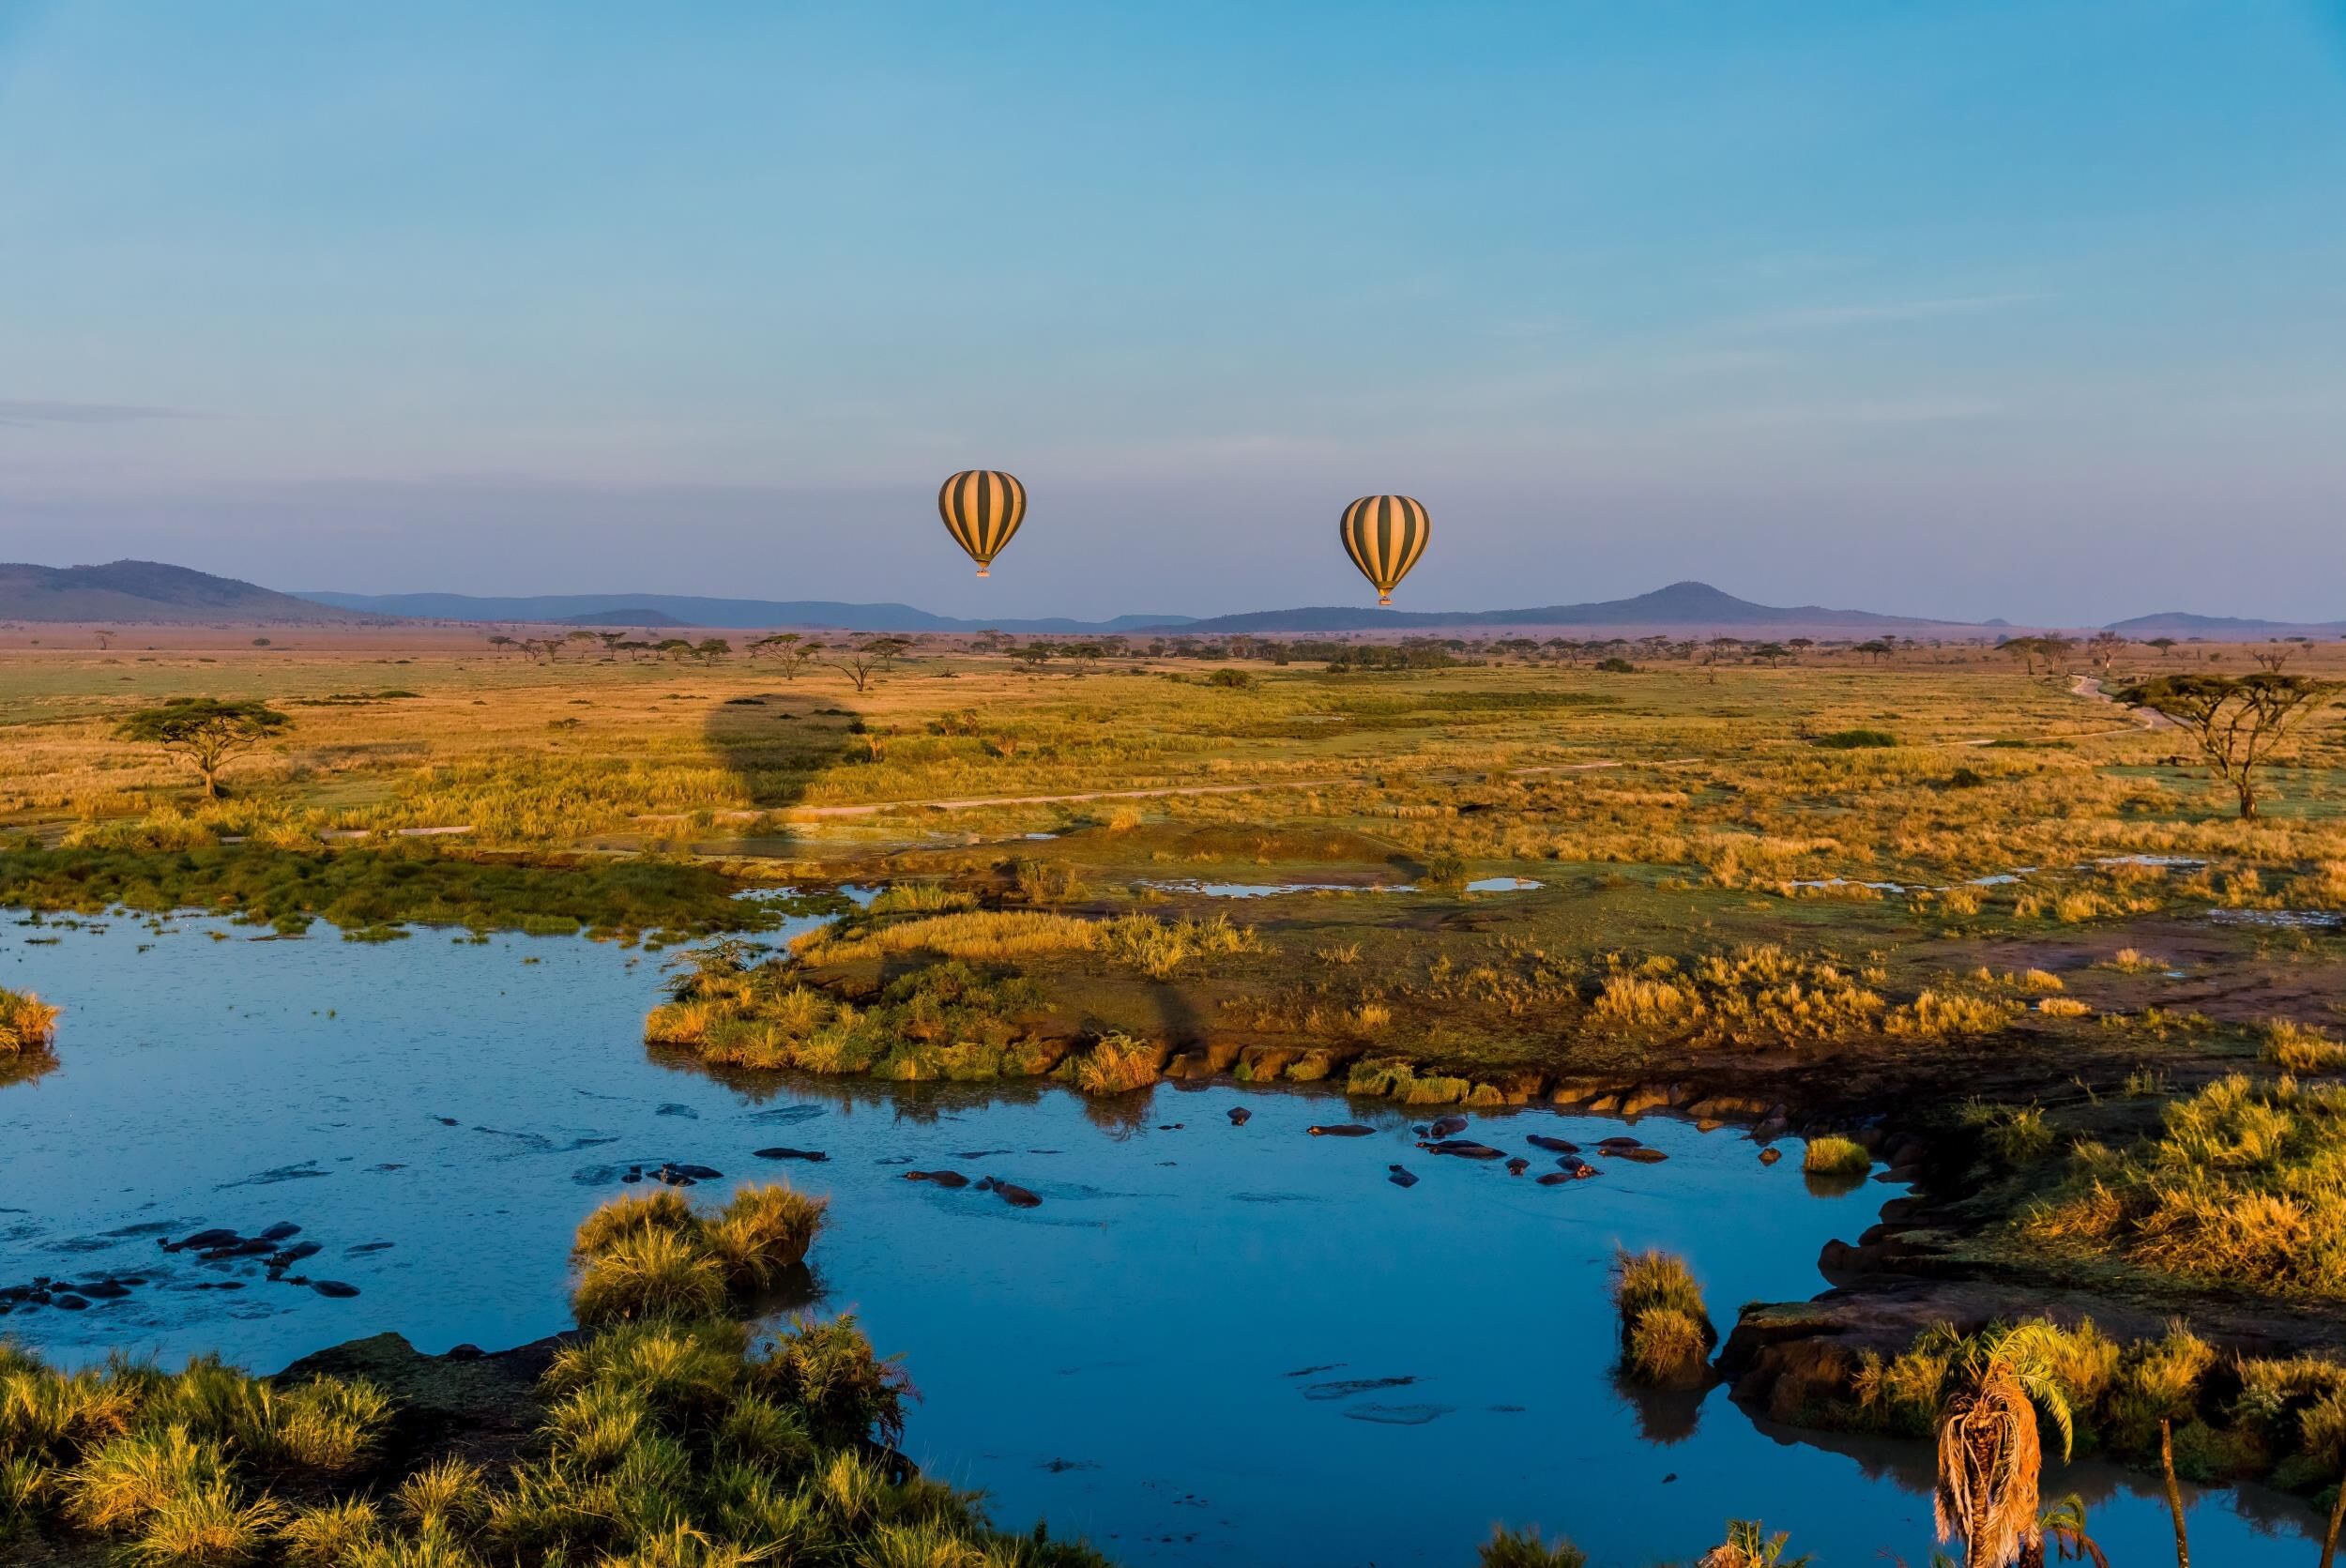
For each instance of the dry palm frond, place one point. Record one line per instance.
(1989, 1455)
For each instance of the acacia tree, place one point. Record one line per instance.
(859, 665)
(2237, 720)
(2104, 648)
(204, 732)
(105, 639)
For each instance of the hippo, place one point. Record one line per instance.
(783, 1152)
(1642, 1154)
(1770, 1156)
(1616, 1143)
(1575, 1168)
(294, 1254)
(1446, 1125)
(1517, 1165)
(942, 1178)
(334, 1289)
(279, 1231)
(1339, 1130)
(202, 1239)
(1554, 1146)
(1465, 1149)
(1400, 1175)
(1011, 1192)
(1240, 1115)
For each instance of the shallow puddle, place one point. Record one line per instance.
(1206, 1342)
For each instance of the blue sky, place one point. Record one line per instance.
(2034, 308)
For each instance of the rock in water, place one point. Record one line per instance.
(1770, 1156)
(1340, 1130)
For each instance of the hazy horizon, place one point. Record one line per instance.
(2035, 311)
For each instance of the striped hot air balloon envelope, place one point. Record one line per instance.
(982, 508)
(1384, 534)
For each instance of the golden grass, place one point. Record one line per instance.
(1665, 1332)
(2246, 1184)
(27, 1024)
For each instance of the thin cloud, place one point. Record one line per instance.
(52, 411)
(1824, 317)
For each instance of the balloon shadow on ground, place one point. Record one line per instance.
(777, 746)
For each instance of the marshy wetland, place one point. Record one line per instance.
(2017, 974)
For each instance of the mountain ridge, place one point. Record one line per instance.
(151, 592)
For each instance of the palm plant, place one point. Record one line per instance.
(2063, 1526)
(1749, 1545)
(1989, 1454)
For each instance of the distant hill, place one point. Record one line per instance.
(613, 609)
(2181, 623)
(1686, 603)
(621, 618)
(147, 592)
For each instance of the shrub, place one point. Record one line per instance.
(1855, 740)
(829, 1371)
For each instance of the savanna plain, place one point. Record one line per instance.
(1944, 917)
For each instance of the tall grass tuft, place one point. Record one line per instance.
(1665, 1330)
(27, 1024)
(763, 1232)
(647, 1274)
(1832, 1155)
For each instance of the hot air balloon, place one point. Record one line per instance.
(982, 508)
(1384, 534)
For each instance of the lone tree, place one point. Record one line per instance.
(859, 665)
(204, 732)
(2237, 720)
